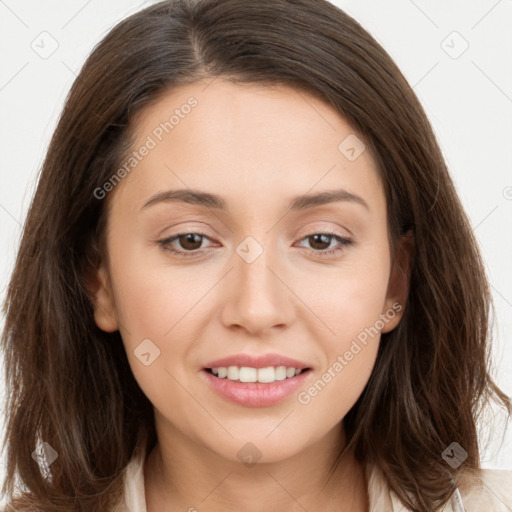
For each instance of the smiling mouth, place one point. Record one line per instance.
(248, 374)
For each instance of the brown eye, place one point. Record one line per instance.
(190, 241)
(184, 244)
(320, 241)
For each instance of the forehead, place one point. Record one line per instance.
(269, 139)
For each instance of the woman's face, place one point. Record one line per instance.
(256, 272)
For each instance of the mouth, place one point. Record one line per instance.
(256, 387)
(247, 374)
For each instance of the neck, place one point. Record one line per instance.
(182, 475)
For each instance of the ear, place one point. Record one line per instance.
(399, 280)
(102, 297)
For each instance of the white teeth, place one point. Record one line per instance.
(233, 372)
(280, 372)
(249, 374)
(266, 374)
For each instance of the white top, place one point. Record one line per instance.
(490, 493)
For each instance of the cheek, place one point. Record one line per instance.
(352, 311)
(142, 303)
(349, 302)
(337, 386)
(349, 297)
(156, 330)
(150, 297)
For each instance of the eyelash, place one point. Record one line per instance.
(344, 242)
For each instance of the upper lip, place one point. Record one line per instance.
(257, 361)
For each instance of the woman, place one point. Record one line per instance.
(246, 281)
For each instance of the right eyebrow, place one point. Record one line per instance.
(187, 196)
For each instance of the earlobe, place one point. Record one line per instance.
(399, 279)
(103, 301)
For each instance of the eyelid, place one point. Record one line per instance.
(317, 227)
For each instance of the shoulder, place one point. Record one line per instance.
(487, 489)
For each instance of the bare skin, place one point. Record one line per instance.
(257, 148)
(234, 486)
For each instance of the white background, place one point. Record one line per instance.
(468, 100)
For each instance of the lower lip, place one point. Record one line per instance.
(256, 394)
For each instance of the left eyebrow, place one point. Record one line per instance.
(298, 203)
(311, 200)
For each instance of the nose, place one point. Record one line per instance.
(256, 297)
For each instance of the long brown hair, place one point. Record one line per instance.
(69, 383)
